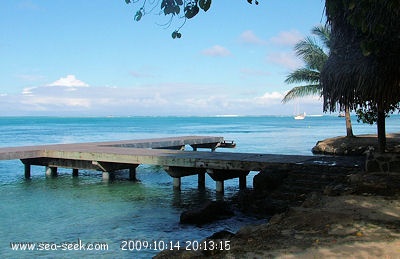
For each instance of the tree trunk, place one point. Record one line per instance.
(381, 127)
(349, 128)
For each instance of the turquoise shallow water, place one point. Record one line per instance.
(67, 210)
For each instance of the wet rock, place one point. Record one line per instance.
(209, 212)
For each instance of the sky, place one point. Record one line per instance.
(91, 58)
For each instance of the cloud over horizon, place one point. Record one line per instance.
(69, 81)
(166, 99)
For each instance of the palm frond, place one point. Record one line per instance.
(313, 55)
(301, 91)
(303, 75)
(323, 32)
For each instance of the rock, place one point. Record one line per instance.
(260, 204)
(336, 189)
(268, 180)
(354, 146)
(223, 234)
(209, 212)
(380, 183)
(313, 200)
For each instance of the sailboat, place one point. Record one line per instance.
(300, 116)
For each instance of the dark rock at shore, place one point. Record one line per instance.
(377, 183)
(256, 203)
(223, 234)
(209, 212)
(357, 145)
(269, 180)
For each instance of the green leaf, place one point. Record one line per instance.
(205, 4)
(251, 2)
(174, 34)
(179, 2)
(138, 15)
(191, 11)
(177, 9)
(128, 1)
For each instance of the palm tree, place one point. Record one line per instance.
(364, 68)
(314, 56)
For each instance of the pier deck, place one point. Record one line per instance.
(109, 157)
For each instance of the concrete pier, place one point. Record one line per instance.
(110, 157)
(51, 171)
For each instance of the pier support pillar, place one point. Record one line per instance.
(51, 171)
(107, 176)
(219, 186)
(27, 168)
(132, 174)
(75, 172)
(201, 180)
(242, 182)
(176, 182)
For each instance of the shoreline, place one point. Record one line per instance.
(355, 216)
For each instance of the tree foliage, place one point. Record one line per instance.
(369, 113)
(364, 68)
(314, 52)
(183, 9)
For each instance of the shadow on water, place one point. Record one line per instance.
(65, 208)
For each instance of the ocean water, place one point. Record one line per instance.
(63, 215)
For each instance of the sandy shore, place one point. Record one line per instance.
(350, 226)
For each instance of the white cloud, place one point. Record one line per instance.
(69, 81)
(249, 37)
(28, 91)
(217, 51)
(164, 99)
(286, 59)
(270, 98)
(287, 38)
